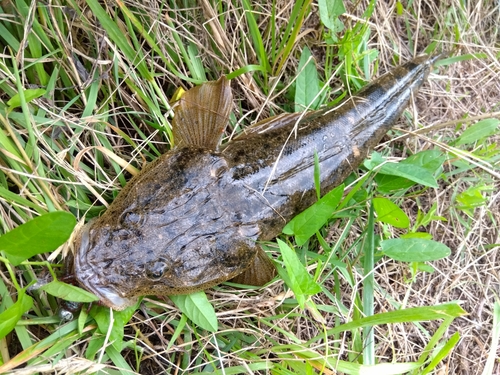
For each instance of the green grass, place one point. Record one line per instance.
(85, 94)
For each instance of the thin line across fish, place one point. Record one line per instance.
(193, 217)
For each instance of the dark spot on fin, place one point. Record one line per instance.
(260, 271)
(201, 114)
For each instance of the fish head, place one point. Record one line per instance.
(172, 230)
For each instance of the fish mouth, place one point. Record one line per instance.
(90, 280)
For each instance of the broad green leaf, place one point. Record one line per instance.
(307, 84)
(480, 130)
(389, 213)
(425, 268)
(308, 222)
(375, 160)
(329, 11)
(68, 292)
(472, 197)
(387, 183)
(102, 316)
(412, 172)
(10, 317)
(431, 160)
(95, 344)
(198, 309)
(300, 280)
(29, 95)
(414, 249)
(42, 234)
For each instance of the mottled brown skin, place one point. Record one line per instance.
(192, 218)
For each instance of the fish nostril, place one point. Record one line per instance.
(122, 235)
(137, 270)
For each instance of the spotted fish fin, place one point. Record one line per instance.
(202, 114)
(260, 272)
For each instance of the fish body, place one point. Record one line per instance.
(193, 217)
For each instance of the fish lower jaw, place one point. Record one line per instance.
(110, 298)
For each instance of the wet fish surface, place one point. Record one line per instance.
(193, 218)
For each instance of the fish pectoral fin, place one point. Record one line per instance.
(202, 114)
(260, 271)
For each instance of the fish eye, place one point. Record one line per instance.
(218, 168)
(130, 218)
(156, 270)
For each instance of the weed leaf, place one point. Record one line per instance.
(414, 173)
(40, 235)
(68, 292)
(482, 129)
(414, 249)
(389, 213)
(424, 219)
(102, 317)
(329, 10)
(10, 317)
(308, 222)
(29, 95)
(197, 308)
(300, 281)
(425, 268)
(431, 160)
(307, 84)
(471, 198)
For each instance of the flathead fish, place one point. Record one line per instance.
(194, 217)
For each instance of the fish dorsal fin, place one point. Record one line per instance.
(260, 271)
(201, 114)
(271, 123)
